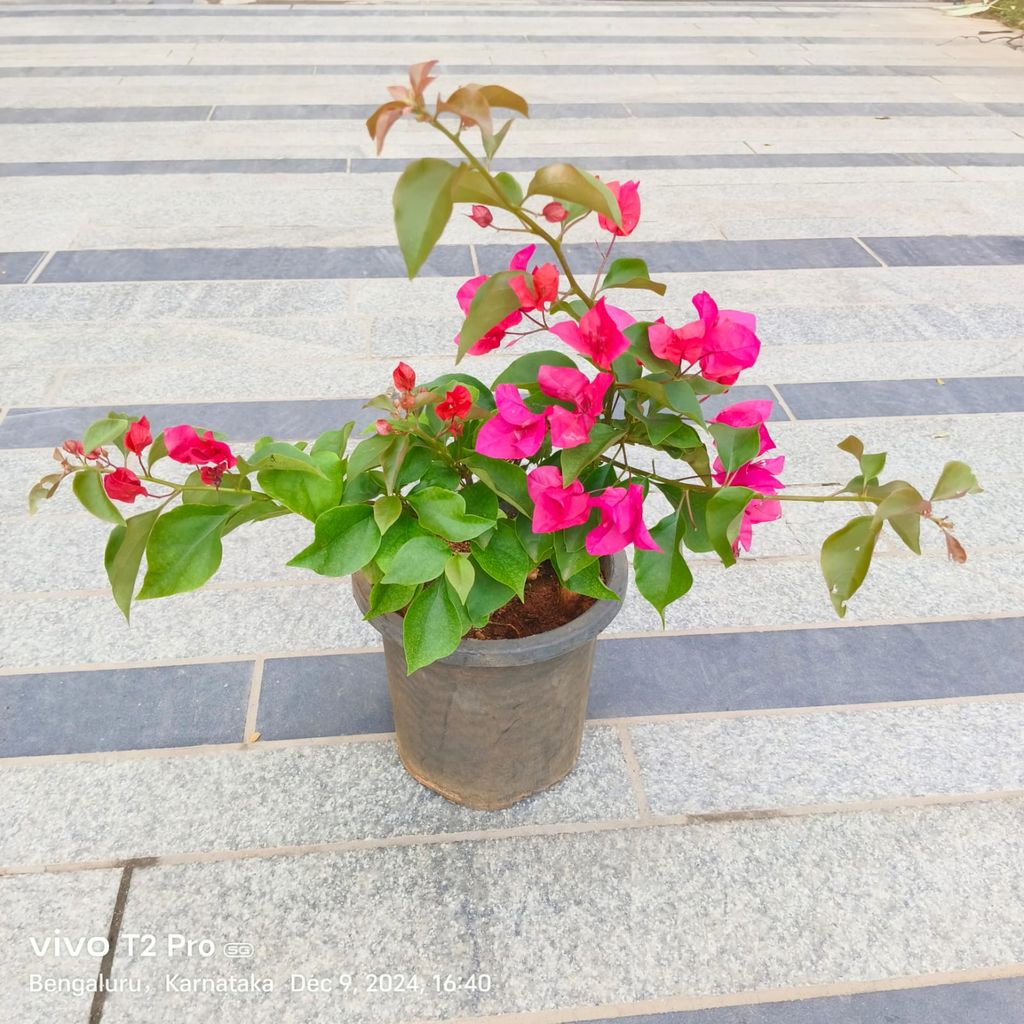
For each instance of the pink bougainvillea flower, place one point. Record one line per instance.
(513, 432)
(538, 288)
(760, 476)
(598, 335)
(628, 196)
(455, 404)
(493, 338)
(481, 215)
(212, 475)
(185, 445)
(73, 447)
(123, 485)
(756, 512)
(571, 427)
(749, 414)
(404, 377)
(554, 212)
(722, 341)
(138, 436)
(383, 427)
(556, 507)
(622, 521)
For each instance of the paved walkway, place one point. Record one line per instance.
(775, 820)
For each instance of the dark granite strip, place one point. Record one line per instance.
(123, 709)
(715, 70)
(948, 250)
(999, 1001)
(238, 421)
(17, 267)
(556, 39)
(91, 115)
(123, 167)
(850, 399)
(723, 672)
(358, 111)
(277, 264)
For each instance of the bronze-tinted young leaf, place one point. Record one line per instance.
(954, 549)
(386, 511)
(564, 181)
(845, 558)
(955, 481)
(423, 206)
(494, 300)
(499, 96)
(379, 123)
(471, 105)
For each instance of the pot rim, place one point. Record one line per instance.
(527, 649)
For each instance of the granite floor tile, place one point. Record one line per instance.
(948, 250)
(728, 764)
(41, 907)
(265, 798)
(17, 267)
(582, 920)
(123, 709)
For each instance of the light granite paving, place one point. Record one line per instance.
(51, 907)
(705, 910)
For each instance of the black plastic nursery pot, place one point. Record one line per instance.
(497, 720)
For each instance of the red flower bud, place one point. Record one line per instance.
(212, 475)
(554, 212)
(123, 485)
(73, 447)
(404, 377)
(138, 436)
(97, 453)
(481, 215)
(455, 405)
(383, 427)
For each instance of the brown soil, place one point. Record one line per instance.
(548, 605)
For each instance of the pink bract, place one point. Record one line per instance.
(622, 522)
(185, 445)
(598, 335)
(571, 427)
(628, 195)
(556, 507)
(754, 413)
(513, 432)
(123, 485)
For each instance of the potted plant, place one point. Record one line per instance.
(484, 526)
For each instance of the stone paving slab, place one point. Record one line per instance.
(581, 920)
(41, 907)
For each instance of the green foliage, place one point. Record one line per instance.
(345, 539)
(418, 561)
(88, 487)
(494, 300)
(302, 491)
(503, 558)
(278, 455)
(184, 550)
(123, 556)
(461, 575)
(574, 460)
(423, 206)
(955, 481)
(663, 576)
(432, 627)
(631, 273)
(845, 558)
(564, 181)
(444, 513)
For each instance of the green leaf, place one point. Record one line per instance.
(564, 181)
(504, 558)
(368, 453)
(574, 460)
(105, 431)
(386, 511)
(432, 627)
(493, 143)
(871, 465)
(506, 479)
(723, 519)
(392, 460)
(444, 513)
(640, 348)
(333, 441)
(302, 492)
(631, 273)
(123, 556)
(569, 559)
(88, 487)
(663, 426)
(405, 529)
(845, 558)
(523, 371)
(470, 186)
(234, 490)
(254, 512)
(157, 451)
(418, 561)
(494, 300)
(955, 481)
(423, 205)
(345, 539)
(486, 597)
(388, 597)
(480, 501)
(510, 188)
(663, 576)
(736, 445)
(459, 572)
(902, 506)
(588, 581)
(672, 394)
(184, 550)
(538, 546)
(281, 455)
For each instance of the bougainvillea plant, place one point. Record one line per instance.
(462, 490)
